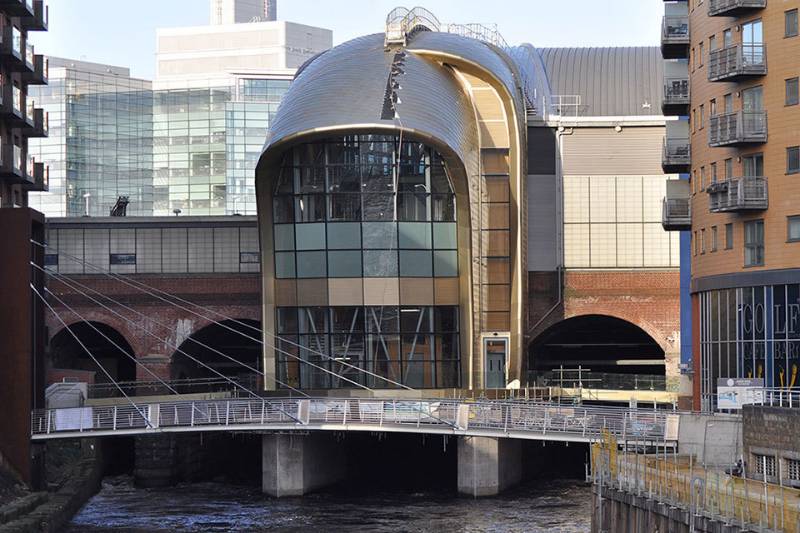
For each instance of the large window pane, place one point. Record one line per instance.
(415, 235)
(380, 235)
(347, 319)
(380, 263)
(310, 236)
(415, 263)
(311, 265)
(309, 208)
(284, 237)
(344, 236)
(284, 265)
(344, 264)
(378, 206)
(445, 263)
(444, 236)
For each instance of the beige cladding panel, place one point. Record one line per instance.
(223, 40)
(604, 151)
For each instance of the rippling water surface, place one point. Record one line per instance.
(549, 506)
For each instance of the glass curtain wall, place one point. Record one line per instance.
(751, 332)
(360, 207)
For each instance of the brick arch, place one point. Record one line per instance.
(619, 312)
(127, 331)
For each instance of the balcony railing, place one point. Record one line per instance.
(675, 29)
(676, 152)
(742, 127)
(676, 91)
(747, 193)
(736, 61)
(676, 214)
(733, 7)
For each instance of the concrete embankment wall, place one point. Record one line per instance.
(615, 511)
(50, 512)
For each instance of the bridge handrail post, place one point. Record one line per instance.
(585, 420)
(263, 407)
(508, 414)
(544, 424)
(191, 418)
(624, 425)
(419, 413)
(380, 420)
(49, 418)
(114, 422)
(344, 414)
(80, 420)
(227, 411)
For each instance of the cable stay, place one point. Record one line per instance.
(106, 337)
(143, 287)
(71, 283)
(91, 355)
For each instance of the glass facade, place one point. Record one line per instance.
(207, 142)
(364, 206)
(750, 332)
(99, 143)
(416, 346)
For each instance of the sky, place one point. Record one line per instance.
(123, 32)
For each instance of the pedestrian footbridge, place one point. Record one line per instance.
(514, 419)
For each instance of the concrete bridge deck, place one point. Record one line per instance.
(499, 418)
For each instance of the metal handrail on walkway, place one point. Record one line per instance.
(518, 419)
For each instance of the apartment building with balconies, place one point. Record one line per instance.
(20, 118)
(742, 121)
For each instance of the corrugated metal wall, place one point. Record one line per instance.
(604, 151)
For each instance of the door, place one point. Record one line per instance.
(495, 355)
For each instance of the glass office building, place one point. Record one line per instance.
(100, 143)
(206, 144)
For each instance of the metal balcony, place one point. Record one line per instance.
(675, 37)
(676, 214)
(743, 127)
(17, 8)
(37, 121)
(40, 73)
(12, 50)
(748, 193)
(11, 105)
(733, 8)
(40, 19)
(737, 61)
(676, 96)
(37, 176)
(11, 163)
(676, 155)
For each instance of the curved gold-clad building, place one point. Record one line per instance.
(391, 198)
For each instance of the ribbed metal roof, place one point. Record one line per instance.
(610, 81)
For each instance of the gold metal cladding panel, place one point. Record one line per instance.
(495, 189)
(416, 291)
(312, 292)
(345, 291)
(381, 291)
(495, 161)
(446, 291)
(495, 243)
(496, 270)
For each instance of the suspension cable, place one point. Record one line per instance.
(71, 284)
(106, 337)
(89, 353)
(147, 288)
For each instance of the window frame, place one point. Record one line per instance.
(755, 249)
(789, 151)
(789, 220)
(729, 236)
(787, 33)
(795, 97)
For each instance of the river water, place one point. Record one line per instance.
(540, 506)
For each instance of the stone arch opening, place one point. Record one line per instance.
(597, 342)
(66, 353)
(218, 336)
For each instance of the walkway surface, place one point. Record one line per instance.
(492, 418)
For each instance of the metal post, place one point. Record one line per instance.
(114, 424)
(227, 411)
(191, 420)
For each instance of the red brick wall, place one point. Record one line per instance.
(649, 299)
(237, 296)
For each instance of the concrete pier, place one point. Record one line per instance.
(487, 466)
(293, 465)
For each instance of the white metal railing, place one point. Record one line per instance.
(536, 420)
(748, 59)
(781, 398)
(737, 127)
(740, 193)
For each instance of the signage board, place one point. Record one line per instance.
(733, 393)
